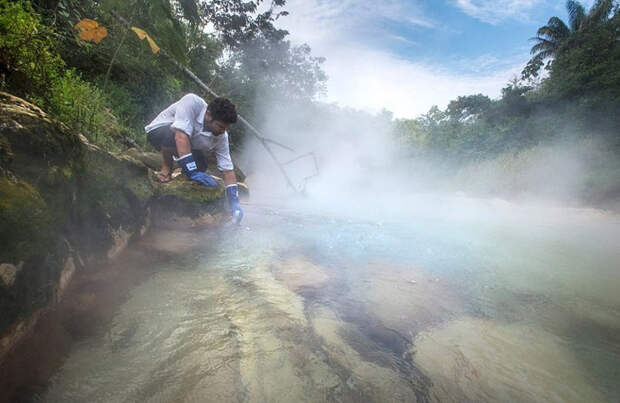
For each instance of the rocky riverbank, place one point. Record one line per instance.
(67, 207)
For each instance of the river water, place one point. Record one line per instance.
(516, 304)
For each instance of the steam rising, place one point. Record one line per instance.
(355, 151)
(365, 174)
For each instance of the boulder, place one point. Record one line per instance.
(153, 161)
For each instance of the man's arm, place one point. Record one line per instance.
(184, 146)
(229, 178)
(232, 194)
(187, 162)
(166, 165)
(225, 165)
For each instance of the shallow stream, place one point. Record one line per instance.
(295, 306)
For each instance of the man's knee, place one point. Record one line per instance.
(150, 138)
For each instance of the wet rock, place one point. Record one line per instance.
(57, 189)
(67, 207)
(150, 160)
(277, 358)
(65, 277)
(154, 160)
(478, 360)
(408, 299)
(25, 220)
(298, 272)
(185, 189)
(8, 273)
(170, 242)
(367, 380)
(121, 239)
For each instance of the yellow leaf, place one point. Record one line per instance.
(141, 34)
(90, 30)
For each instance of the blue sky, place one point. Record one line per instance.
(406, 56)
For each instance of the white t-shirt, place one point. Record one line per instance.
(188, 115)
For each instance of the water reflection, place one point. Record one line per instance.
(294, 307)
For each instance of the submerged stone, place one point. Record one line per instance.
(298, 273)
(481, 360)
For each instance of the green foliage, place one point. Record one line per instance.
(34, 69)
(82, 106)
(551, 37)
(238, 22)
(409, 133)
(249, 58)
(162, 19)
(28, 60)
(468, 107)
(587, 69)
(203, 52)
(246, 58)
(507, 146)
(578, 100)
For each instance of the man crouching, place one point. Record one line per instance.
(185, 129)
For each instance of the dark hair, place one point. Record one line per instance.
(223, 110)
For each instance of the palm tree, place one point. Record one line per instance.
(550, 37)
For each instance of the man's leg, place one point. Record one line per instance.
(166, 163)
(162, 139)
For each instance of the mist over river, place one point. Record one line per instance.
(516, 304)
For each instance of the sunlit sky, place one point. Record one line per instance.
(407, 55)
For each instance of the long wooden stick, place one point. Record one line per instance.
(263, 140)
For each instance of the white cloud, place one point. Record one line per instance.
(371, 80)
(312, 18)
(496, 11)
(422, 22)
(365, 11)
(489, 64)
(366, 77)
(402, 39)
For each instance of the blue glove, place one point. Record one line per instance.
(189, 168)
(232, 194)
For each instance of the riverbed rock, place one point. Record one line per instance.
(153, 161)
(298, 273)
(478, 360)
(368, 380)
(407, 299)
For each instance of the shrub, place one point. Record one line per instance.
(127, 109)
(28, 59)
(82, 106)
